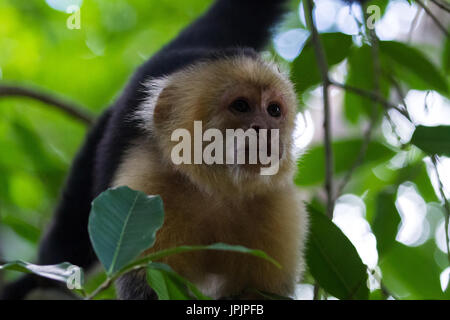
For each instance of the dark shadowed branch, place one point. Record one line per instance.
(442, 5)
(374, 112)
(371, 95)
(401, 95)
(434, 18)
(67, 107)
(434, 160)
(323, 67)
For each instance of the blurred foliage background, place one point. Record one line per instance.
(390, 207)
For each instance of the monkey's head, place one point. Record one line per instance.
(239, 92)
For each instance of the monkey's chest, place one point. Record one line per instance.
(203, 223)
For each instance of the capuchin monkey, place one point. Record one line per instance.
(211, 72)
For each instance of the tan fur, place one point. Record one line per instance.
(208, 204)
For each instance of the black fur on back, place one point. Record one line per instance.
(229, 27)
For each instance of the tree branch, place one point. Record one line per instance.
(316, 292)
(373, 117)
(434, 160)
(401, 95)
(371, 95)
(433, 17)
(323, 67)
(359, 159)
(69, 108)
(414, 23)
(443, 6)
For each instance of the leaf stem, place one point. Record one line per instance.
(105, 285)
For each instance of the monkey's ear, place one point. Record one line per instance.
(162, 110)
(156, 108)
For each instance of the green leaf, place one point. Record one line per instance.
(432, 140)
(377, 295)
(361, 75)
(62, 272)
(169, 285)
(417, 173)
(446, 57)
(93, 281)
(305, 72)
(311, 167)
(412, 273)
(122, 224)
(216, 246)
(386, 221)
(381, 4)
(23, 228)
(46, 165)
(412, 67)
(333, 260)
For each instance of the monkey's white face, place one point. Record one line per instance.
(235, 93)
(252, 121)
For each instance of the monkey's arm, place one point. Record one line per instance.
(232, 23)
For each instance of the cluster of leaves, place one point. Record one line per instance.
(90, 66)
(407, 272)
(40, 144)
(122, 225)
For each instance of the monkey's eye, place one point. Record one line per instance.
(274, 110)
(240, 105)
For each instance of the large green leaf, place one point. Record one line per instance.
(311, 167)
(412, 273)
(432, 140)
(417, 173)
(63, 272)
(446, 57)
(23, 228)
(43, 163)
(386, 221)
(381, 4)
(305, 72)
(361, 75)
(122, 224)
(168, 285)
(411, 65)
(333, 260)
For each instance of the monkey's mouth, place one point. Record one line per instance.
(254, 160)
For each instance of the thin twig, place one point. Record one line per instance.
(69, 108)
(323, 67)
(369, 94)
(414, 23)
(316, 292)
(359, 159)
(373, 96)
(373, 117)
(139, 264)
(402, 96)
(434, 160)
(386, 292)
(433, 17)
(443, 6)
(105, 285)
